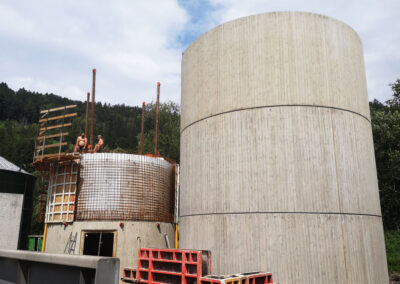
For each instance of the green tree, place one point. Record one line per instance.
(392, 239)
(168, 133)
(17, 143)
(395, 101)
(386, 130)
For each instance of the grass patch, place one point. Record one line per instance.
(392, 240)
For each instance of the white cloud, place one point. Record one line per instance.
(57, 43)
(134, 44)
(377, 23)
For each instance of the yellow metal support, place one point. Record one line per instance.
(44, 237)
(176, 236)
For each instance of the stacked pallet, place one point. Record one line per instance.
(176, 266)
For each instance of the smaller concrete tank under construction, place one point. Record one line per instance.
(277, 159)
(110, 204)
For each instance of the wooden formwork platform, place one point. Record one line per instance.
(50, 141)
(43, 163)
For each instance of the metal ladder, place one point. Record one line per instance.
(70, 247)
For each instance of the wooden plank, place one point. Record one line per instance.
(58, 117)
(49, 156)
(51, 145)
(58, 108)
(44, 159)
(55, 126)
(52, 136)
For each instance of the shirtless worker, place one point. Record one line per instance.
(99, 146)
(81, 143)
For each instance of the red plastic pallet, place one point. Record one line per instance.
(172, 266)
(129, 275)
(243, 278)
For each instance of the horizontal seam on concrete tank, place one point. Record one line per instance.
(272, 106)
(280, 212)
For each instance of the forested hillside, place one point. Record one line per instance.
(118, 124)
(385, 118)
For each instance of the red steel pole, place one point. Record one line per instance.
(87, 114)
(93, 101)
(142, 131)
(157, 108)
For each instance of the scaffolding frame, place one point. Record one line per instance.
(51, 128)
(62, 191)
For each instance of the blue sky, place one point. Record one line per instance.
(51, 46)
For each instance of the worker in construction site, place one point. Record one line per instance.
(81, 143)
(100, 144)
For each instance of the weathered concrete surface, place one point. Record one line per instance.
(86, 261)
(277, 161)
(296, 248)
(25, 267)
(10, 219)
(280, 159)
(273, 59)
(126, 240)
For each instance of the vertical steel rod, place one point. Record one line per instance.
(87, 114)
(157, 109)
(93, 101)
(99, 247)
(142, 131)
(61, 134)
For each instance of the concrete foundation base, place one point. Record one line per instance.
(296, 248)
(127, 240)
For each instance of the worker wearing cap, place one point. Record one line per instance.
(99, 146)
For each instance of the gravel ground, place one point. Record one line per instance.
(394, 278)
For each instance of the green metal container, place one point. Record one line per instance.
(40, 243)
(35, 242)
(31, 244)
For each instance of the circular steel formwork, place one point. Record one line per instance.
(116, 186)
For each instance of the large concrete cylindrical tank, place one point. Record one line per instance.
(277, 160)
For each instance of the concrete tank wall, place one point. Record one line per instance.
(277, 160)
(127, 244)
(10, 219)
